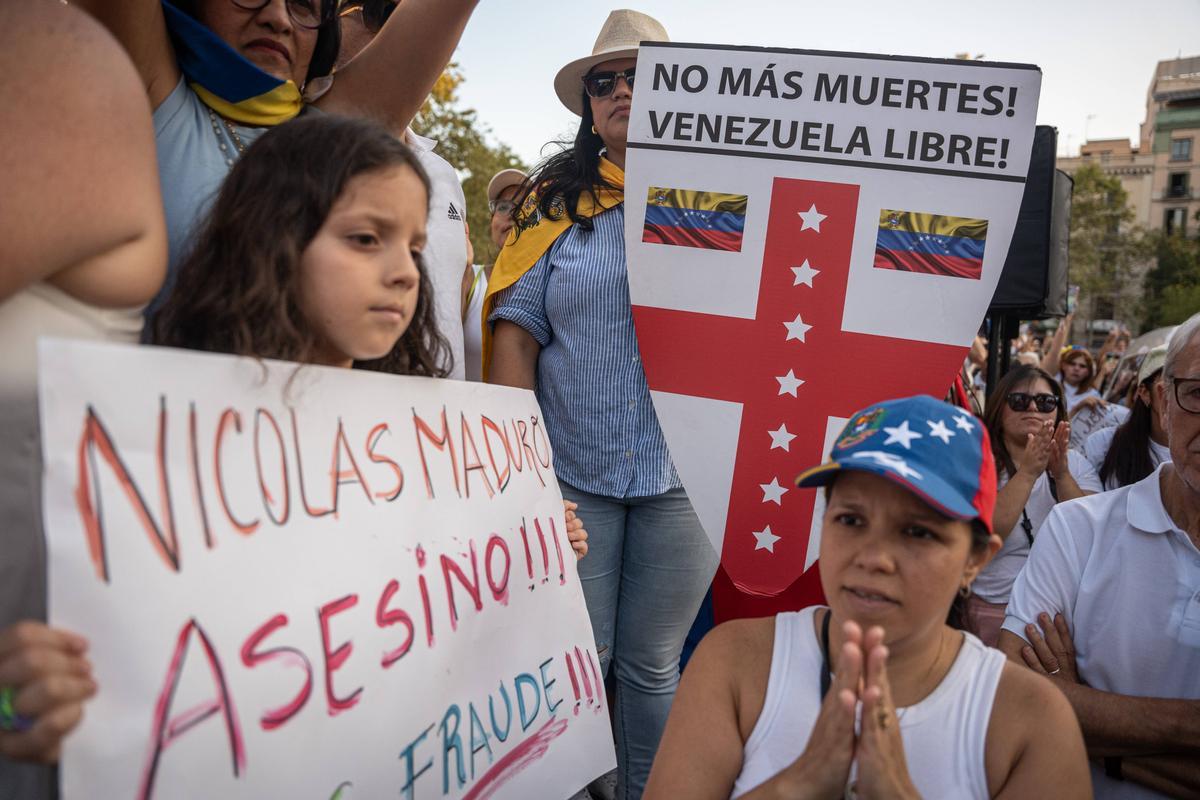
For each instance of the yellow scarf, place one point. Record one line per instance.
(520, 253)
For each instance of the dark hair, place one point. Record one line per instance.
(1128, 458)
(329, 37)
(238, 290)
(561, 179)
(993, 412)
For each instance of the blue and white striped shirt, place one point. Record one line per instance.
(590, 382)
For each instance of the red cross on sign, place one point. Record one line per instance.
(791, 368)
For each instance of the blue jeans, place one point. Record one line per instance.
(648, 567)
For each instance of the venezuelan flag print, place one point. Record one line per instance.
(225, 81)
(911, 241)
(689, 218)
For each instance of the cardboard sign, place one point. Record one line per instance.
(312, 582)
(807, 233)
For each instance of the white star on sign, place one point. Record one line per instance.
(788, 384)
(812, 218)
(902, 435)
(765, 540)
(781, 438)
(805, 274)
(796, 329)
(964, 424)
(938, 430)
(892, 462)
(773, 492)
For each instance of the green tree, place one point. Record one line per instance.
(464, 142)
(1107, 250)
(1172, 287)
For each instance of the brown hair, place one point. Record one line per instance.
(1075, 355)
(238, 289)
(993, 413)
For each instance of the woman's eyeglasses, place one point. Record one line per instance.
(1044, 403)
(304, 13)
(602, 84)
(374, 12)
(502, 206)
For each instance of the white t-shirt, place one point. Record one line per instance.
(446, 250)
(1095, 449)
(996, 580)
(473, 325)
(1073, 395)
(1091, 420)
(1127, 580)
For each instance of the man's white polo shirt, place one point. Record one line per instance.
(1127, 580)
(446, 246)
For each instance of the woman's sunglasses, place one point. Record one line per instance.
(602, 84)
(374, 12)
(1019, 401)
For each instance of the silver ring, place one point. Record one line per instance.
(1055, 672)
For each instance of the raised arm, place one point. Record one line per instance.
(1051, 358)
(82, 204)
(140, 28)
(390, 79)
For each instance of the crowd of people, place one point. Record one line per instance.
(1014, 613)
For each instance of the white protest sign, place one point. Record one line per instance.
(315, 583)
(807, 233)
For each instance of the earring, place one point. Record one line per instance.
(596, 132)
(964, 591)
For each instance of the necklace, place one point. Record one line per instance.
(240, 146)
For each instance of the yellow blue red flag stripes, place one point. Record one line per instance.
(911, 241)
(225, 81)
(689, 218)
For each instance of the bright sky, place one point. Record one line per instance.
(1096, 56)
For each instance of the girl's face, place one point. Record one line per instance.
(267, 37)
(1075, 371)
(1017, 425)
(889, 559)
(359, 277)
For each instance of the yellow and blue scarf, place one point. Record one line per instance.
(520, 253)
(224, 80)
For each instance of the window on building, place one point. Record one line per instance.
(1173, 220)
(1178, 185)
(1181, 149)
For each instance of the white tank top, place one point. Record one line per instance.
(944, 734)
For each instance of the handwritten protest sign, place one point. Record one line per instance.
(807, 233)
(312, 583)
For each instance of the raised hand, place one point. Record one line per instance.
(1057, 464)
(1036, 455)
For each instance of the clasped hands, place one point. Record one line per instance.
(824, 769)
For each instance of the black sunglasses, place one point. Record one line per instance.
(601, 84)
(1043, 402)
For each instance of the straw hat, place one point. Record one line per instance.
(619, 38)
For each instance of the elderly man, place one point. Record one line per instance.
(1113, 585)
(501, 193)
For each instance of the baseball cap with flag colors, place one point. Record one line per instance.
(937, 451)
